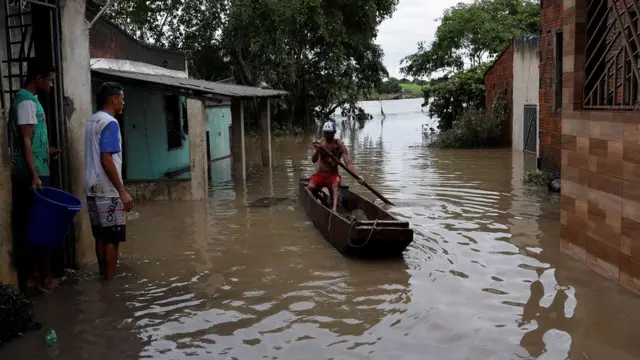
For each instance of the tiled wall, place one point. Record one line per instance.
(600, 171)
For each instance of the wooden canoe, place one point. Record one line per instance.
(380, 235)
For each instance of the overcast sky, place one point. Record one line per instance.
(413, 21)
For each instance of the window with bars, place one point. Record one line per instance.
(557, 71)
(612, 55)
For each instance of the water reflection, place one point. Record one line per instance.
(483, 279)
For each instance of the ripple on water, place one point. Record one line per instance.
(483, 278)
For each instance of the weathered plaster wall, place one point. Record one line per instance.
(77, 109)
(7, 273)
(109, 41)
(198, 146)
(159, 190)
(525, 84)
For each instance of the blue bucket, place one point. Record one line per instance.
(51, 217)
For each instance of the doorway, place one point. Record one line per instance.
(530, 133)
(32, 30)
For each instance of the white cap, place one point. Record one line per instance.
(329, 126)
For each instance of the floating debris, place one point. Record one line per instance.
(266, 202)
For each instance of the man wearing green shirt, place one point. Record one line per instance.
(30, 152)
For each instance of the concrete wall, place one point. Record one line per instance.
(7, 272)
(525, 85)
(550, 118)
(145, 135)
(109, 41)
(198, 145)
(600, 199)
(500, 77)
(77, 109)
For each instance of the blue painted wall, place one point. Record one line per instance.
(218, 122)
(145, 136)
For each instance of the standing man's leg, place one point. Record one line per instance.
(109, 229)
(23, 257)
(44, 255)
(94, 217)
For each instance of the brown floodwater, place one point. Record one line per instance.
(484, 278)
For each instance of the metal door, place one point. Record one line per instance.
(530, 132)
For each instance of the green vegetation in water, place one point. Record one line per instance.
(394, 89)
(537, 178)
(475, 128)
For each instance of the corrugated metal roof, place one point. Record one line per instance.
(201, 86)
(134, 67)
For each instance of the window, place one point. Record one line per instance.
(174, 129)
(557, 91)
(185, 119)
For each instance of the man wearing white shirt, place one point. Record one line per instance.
(107, 199)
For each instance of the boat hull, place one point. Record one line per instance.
(381, 235)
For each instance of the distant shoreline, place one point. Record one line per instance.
(416, 92)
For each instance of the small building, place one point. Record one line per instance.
(168, 141)
(514, 74)
(164, 125)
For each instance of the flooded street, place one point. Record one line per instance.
(484, 278)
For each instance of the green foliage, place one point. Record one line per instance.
(468, 37)
(390, 86)
(322, 53)
(537, 178)
(472, 33)
(476, 129)
(450, 96)
(191, 26)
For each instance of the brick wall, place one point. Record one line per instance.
(497, 78)
(600, 201)
(550, 119)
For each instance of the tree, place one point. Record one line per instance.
(470, 36)
(390, 86)
(191, 26)
(322, 53)
(472, 33)
(449, 96)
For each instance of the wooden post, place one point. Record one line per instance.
(238, 155)
(265, 131)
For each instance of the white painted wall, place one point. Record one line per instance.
(526, 83)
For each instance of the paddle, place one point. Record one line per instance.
(364, 183)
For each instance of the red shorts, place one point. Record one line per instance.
(321, 179)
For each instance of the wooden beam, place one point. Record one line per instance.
(237, 142)
(265, 131)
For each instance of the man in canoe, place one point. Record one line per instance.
(327, 174)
